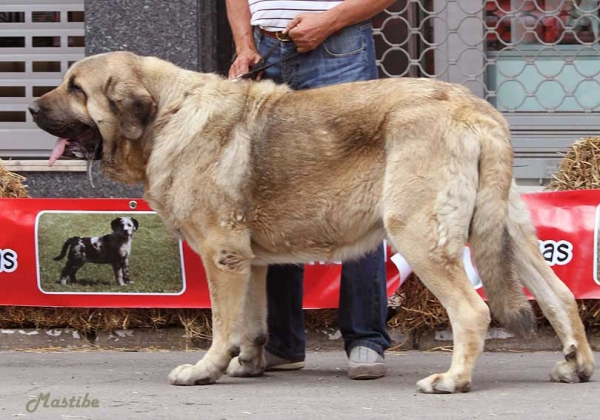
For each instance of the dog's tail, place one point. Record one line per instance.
(492, 246)
(68, 243)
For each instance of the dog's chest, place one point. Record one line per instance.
(125, 249)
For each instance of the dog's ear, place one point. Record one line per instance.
(135, 223)
(116, 224)
(133, 106)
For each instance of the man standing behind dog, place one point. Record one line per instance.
(317, 43)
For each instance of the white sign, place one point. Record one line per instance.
(470, 269)
(556, 252)
(8, 261)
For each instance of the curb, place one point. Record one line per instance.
(176, 339)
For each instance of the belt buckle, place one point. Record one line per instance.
(282, 38)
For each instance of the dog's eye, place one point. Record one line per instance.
(76, 89)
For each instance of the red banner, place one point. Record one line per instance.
(567, 224)
(163, 272)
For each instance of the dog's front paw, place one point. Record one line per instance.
(246, 369)
(197, 374)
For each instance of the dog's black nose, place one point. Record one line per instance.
(34, 108)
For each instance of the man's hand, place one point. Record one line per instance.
(243, 61)
(309, 30)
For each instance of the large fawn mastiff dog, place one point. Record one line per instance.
(253, 173)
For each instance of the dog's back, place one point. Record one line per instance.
(101, 250)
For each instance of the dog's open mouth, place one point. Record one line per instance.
(86, 146)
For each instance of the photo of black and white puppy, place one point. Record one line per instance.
(113, 249)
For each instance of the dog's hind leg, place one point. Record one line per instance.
(443, 273)
(429, 197)
(66, 274)
(69, 272)
(553, 296)
(227, 260)
(251, 361)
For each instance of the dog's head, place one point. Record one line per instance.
(124, 225)
(100, 111)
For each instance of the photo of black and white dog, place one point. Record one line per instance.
(113, 249)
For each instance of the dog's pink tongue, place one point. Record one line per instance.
(59, 149)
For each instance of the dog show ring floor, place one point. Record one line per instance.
(133, 385)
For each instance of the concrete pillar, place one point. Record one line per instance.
(165, 29)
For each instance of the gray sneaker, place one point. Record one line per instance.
(278, 363)
(365, 363)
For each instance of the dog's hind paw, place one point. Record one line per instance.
(578, 366)
(564, 371)
(442, 383)
(567, 372)
(193, 375)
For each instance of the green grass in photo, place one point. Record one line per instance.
(154, 262)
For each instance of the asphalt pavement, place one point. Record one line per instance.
(133, 385)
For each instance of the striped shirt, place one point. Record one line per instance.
(274, 15)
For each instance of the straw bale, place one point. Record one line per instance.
(11, 184)
(579, 168)
(197, 323)
(419, 309)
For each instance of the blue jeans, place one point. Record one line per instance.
(346, 56)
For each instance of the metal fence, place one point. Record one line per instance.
(538, 61)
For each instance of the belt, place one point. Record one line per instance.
(277, 35)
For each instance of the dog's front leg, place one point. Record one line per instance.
(228, 268)
(118, 269)
(251, 361)
(126, 273)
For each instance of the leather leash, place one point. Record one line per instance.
(254, 71)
